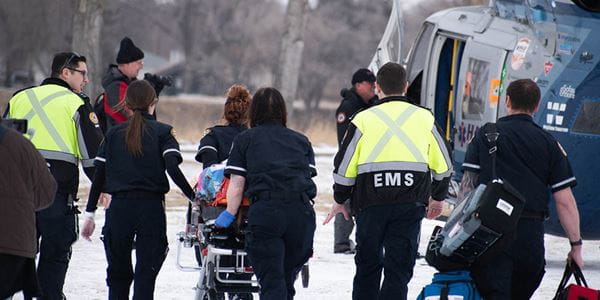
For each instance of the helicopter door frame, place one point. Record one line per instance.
(431, 85)
(390, 45)
(478, 91)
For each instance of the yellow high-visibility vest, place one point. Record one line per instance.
(394, 135)
(50, 111)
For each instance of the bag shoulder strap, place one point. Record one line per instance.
(2, 132)
(491, 134)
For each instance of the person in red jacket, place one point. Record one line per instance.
(117, 79)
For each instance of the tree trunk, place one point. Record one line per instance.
(189, 24)
(290, 57)
(87, 24)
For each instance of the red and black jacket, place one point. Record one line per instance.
(115, 84)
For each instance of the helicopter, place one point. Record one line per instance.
(464, 58)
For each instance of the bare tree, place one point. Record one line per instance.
(87, 24)
(292, 45)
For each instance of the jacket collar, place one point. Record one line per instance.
(522, 117)
(395, 98)
(56, 81)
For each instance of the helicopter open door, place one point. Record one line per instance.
(390, 46)
(478, 92)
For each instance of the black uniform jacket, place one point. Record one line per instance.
(215, 145)
(351, 104)
(89, 138)
(119, 171)
(273, 159)
(528, 157)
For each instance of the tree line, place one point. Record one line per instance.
(223, 42)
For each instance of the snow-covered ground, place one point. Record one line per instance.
(330, 274)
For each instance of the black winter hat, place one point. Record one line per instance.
(363, 75)
(128, 52)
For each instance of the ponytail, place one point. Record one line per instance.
(139, 96)
(134, 132)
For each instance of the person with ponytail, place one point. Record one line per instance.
(214, 148)
(130, 166)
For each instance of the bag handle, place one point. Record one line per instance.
(577, 273)
(570, 269)
(491, 133)
(563, 282)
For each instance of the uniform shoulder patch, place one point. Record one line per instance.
(341, 117)
(206, 132)
(93, 118)
(561, 148)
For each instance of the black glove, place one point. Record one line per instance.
(158, 82)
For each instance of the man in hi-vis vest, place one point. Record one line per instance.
(392, 164)
(66, 132)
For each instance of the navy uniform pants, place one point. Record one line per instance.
(57, 230)
(279, 242)
(141, 217)
(393, 227)
(517, 272)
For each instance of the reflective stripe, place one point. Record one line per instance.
(235, 168)
(395, 128)
(339, 179)
(102, 159)
(312, 166)
(563, 182)
(441, 176)
(68, 157)
(86, 163)
(45, 101)
(207, 147)
(392, 166)
(45, 120)
(442, 144)
(171, 150)
(349, 152)
(80, 140)
(472, 166)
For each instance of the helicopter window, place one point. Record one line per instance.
(476, 89)
(419, 52)
(587, 119)
(393, 44)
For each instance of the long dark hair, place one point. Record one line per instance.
(267, 105)
(138, 97)
(236, 105)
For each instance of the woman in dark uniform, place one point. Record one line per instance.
(273, 166)
(215, 145)
(131, 166)
(214, 148)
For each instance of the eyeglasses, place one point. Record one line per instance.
(73, 56)
(82, 72)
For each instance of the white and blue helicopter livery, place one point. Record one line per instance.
(464, 57)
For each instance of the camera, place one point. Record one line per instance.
(19, 125)
(158, 82)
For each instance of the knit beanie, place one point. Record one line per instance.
(128, 52)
